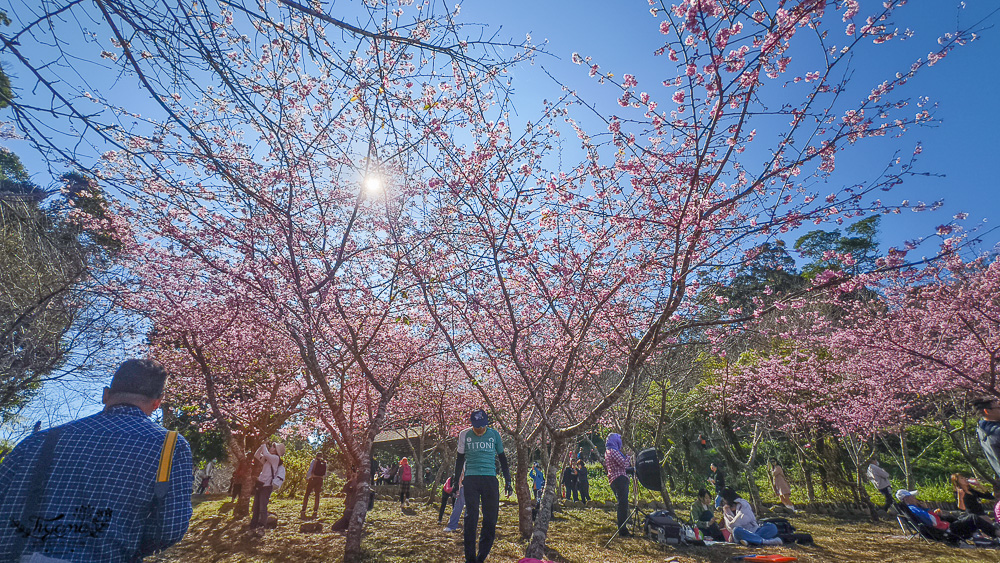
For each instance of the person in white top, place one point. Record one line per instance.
(205, 476)
(272, 475)
(880, 480)
(742, 523)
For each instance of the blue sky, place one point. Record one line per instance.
(960, 150)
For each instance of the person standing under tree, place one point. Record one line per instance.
(569, 480)
(479, 448)
(880, 480)
(718, 479)
(780, 486)
(619, 466)
(272, 475)
(405, 478)
(538, 479)
(582, 481)
(206, 477)
(314, 484)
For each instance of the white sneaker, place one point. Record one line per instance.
(447, 529)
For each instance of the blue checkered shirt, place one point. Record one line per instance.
(98, 497)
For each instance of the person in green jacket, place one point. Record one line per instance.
(703, 516)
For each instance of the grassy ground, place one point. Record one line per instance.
(577, 535)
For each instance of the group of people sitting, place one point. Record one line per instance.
(739, 523)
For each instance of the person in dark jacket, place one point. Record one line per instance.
(988, 431)
(718, 479)
(569, 481)
(582, 481)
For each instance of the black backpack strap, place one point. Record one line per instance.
(36, 489)
(161, 486)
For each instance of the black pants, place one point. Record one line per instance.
(584, 489)
(404, 491)
(966, 524)
(485, 490)
(313, 485)
(260, 499)
(570, 491)
(888, 498)
(620, 487)
(712, 532)
(445, 497)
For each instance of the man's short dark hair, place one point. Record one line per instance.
(702, 493)
(983, 403)
(139, 377)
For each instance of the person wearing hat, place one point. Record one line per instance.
(100, 478)
(272, 475)
(479, 448)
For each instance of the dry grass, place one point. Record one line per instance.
(576, 536)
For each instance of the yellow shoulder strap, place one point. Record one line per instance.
(166, 457)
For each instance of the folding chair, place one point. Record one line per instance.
(913, 526)
(907, 525)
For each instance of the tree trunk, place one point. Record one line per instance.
(352, 547)
(521, 488)
(536, 547)
(867, 501)
(807, 474)
(907, 465)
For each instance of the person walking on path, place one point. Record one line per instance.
(118, 483)
(272, 475)
(537, 477)
(479, 448)
(405, 478)
(880, 480)
(569, 481)
(780, 486)
(582, 481)
(314, 484)
(619, 467)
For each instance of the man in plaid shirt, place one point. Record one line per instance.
(97, 501)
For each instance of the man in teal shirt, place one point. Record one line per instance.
(478, 449)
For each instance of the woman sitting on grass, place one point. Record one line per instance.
(742, 523)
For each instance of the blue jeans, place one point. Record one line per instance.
(766, 531)
(718, 501)
(456, 510)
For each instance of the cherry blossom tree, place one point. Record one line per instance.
(226, 361)
(555, 286)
